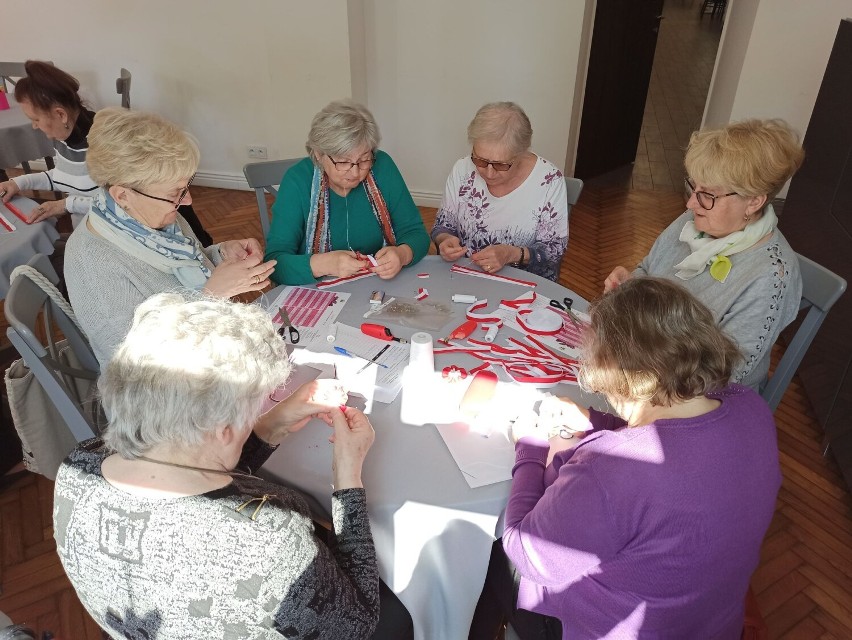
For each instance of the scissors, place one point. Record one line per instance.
(286, 324)
(565, 306)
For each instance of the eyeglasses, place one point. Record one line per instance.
(172, 202)
(344, 165)
(706, 200)
(482, 163)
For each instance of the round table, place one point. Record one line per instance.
(18, 246)
(433, 532)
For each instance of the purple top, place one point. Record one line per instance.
(647, 532)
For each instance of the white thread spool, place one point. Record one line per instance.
(463, 297)
(491, 333)
(421, 357)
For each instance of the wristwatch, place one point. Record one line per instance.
(522, 261)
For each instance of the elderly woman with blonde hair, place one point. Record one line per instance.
(503, 204)
(134, 243)
(162, 527)
(651, 525)
(726, 248)
(343, 205)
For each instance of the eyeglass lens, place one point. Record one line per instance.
(498, 166)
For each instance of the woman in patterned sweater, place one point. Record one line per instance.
(161, 527)
(503, 205)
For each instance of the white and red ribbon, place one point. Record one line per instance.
(457, 268)
(422, 293)
(325, 284)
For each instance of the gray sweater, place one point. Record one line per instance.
(106, 284)
(196, 567)
(759, 298)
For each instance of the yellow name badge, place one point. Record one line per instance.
(720, 267)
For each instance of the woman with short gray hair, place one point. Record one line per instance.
(161, 526)
(134, 243)
(345, 208)
(503, 204)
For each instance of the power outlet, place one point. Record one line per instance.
(257, 153)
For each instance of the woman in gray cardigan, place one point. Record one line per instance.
(133, 243)
(726, 249)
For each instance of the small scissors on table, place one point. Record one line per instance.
(565, 306)
(286, 324)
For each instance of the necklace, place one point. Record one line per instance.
(348, 243)
(204, 469)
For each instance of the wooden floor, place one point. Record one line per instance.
(804, 580)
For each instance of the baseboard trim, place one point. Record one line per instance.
(427, 198)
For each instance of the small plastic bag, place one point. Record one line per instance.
(415, 314)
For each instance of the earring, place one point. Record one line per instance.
(747, 218)
(66, 126)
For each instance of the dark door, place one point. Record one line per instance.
(817, 221)
(622, 54)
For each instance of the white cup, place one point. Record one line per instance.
(421, 357)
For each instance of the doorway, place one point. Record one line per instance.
(683, 63)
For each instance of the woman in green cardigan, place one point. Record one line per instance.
(343, 205)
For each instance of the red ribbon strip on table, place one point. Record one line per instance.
(336, 281)
(7, 224)
(17, 212)
(457, 268)
(421, 294)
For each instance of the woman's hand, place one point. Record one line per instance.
(9, 189)
(239, 249)
(311, 400)
(526, 425)
(45, 210)
(233, 277)
(495, 257)
(352, 438)
(390, 260)
(450, 247)
(556, 414)
(615, 278)
(340, 264)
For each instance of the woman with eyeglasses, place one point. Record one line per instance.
(343, 204)
(726, 249)
(503, 204)
(650, 527)
(49, 98)
(134, 243)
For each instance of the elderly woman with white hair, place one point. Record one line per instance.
(161, 526)
(503, 204)
(344, 202)
(134, 243)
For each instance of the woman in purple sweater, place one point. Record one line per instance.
(651, 526)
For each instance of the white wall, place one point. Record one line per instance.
(233, 74)
(431, 65)
(787, 51)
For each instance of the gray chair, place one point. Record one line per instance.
(574, 187)
(10, 70)
(820, 290)
(263, 177)
(122, 87)
(23, 304)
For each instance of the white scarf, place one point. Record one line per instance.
(706, 249)
(168, 250)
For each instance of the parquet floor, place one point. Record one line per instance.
(804, 581)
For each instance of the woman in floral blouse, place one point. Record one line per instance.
(503, 204)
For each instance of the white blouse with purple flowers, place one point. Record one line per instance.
(535, 215)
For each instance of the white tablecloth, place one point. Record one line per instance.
(19, 142)
(433, 533)
(22, 244)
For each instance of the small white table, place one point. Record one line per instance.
(19, 246)
(433, 533)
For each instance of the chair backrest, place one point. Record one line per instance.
(820, 290)
(23, 304)
(122, 87)
(574, 187)
(265, 176)
(10, 70)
